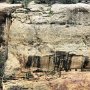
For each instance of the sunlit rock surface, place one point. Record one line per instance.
(42, 29)
(68, 81)
(63, 27)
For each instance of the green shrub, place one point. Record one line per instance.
(26, 2)
(10, 1)
(59, 1)
(13, 1)
(42, 1)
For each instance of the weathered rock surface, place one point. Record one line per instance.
(7, 7)
(12, 65)
(68, 81)
(60, 26)
(5, 10)
(45, 29)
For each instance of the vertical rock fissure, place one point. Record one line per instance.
(5, 21)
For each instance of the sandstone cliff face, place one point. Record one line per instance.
(71, 81)
(56, 27)
(42, 29)
(5, 9)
